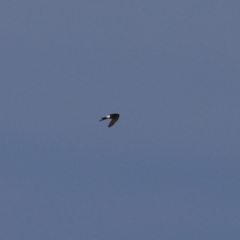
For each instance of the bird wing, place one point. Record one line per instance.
(113, 121)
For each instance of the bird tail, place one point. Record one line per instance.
(103, 118)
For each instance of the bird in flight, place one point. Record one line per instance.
(114, 117)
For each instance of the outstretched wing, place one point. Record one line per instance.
(112, 122)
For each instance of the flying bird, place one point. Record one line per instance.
(114, 117)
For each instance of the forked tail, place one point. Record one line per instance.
(103, 118)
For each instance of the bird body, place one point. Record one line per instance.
(114, 117)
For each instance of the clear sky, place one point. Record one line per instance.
(168, 169)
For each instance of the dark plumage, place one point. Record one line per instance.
(114, 117)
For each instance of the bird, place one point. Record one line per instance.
(114, 117)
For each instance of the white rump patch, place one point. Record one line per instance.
(108, 116)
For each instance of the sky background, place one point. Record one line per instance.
(168, 169)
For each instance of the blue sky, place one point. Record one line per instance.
(168, 169)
